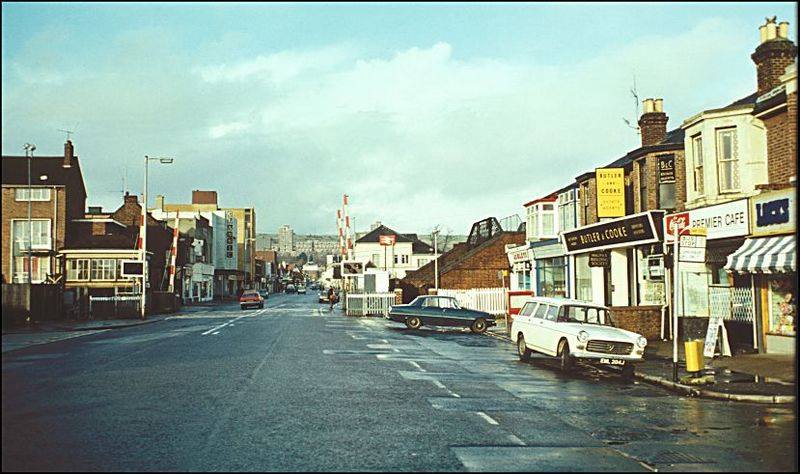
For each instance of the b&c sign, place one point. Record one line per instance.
(666, 169)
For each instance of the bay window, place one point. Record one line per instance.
(727, 160)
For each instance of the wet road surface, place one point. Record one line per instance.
(294, 387)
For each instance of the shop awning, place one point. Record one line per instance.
(764, 255)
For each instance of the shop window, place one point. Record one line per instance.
(551, 277)
(782, 305)
(583, 278)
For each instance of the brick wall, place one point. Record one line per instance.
(13, 209)
(587, 191)
(652, 181)
(644, 320)
(479, 270)
(782, 142)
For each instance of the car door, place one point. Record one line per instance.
(536, 337)
(430, 313)
(449, 314)
(548, 330)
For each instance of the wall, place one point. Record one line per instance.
(644, 320)
(480, 269)
(782, 142)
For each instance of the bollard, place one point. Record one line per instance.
(694, 355)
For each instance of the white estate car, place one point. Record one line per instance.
(572, 329)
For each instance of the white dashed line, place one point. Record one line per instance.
(515, 440)
(438, 384)
(416, 365)
(217, 328)
(486, 417)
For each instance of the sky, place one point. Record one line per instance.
(424, 114)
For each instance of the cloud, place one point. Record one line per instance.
(417, 137)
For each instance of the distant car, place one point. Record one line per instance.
(290, 288)
(439, 311)
(264, 294)
(573, 330)
(323, 296)
(251, 298)
(301, 289)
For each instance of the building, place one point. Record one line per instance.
(233, 240)
(285, 239)
(406, 253)
(480, 262)
(57, 197)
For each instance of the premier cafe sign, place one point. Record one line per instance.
(731, 219)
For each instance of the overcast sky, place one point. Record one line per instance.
(424, 114)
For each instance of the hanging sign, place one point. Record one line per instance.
(610, 192)
(599, 259)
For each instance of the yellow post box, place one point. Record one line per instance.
(694, 355)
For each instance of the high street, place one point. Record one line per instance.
(294, 387)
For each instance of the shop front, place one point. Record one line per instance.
(619, 263)
(707, 289)
(551, 268)
(768, 256)
(521, 277)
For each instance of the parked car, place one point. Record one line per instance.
(575, 330)
(301, 289)
(264, 294)
(439, 311)
(290, 288)
(323, 296)
(251, 298)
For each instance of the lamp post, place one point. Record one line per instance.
(147, 159)
(436, 260)
(29, 149)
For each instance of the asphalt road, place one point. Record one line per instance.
(293, 387)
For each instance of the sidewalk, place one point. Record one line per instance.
(54, 331)
(755, 378)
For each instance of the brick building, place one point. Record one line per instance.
(476, 263)
(57, 197)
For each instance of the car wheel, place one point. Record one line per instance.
(261, 306)
(627, 371)
(243, 306)
(478, 326)
(413, 322)
(566, 358)
(522, 350)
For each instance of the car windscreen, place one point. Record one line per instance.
(587, 315)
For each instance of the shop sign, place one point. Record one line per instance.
(730, 219)
(387, 239)
(632, 230)
(519, 254)
(610, 192)
(666, 169)
(773, 213)
(599, 259)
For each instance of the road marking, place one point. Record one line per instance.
(221, 326)
(486, 417)
(455, 394)
(515, 440)
(438, 384)
(417, 366)
(214, 333)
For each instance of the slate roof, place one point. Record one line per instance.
(417, 246)
(15, 171)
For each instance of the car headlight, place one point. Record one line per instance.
(583, 336)
(641, 342)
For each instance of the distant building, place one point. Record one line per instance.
(285, 239)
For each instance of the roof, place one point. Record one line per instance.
(560, 301)
(15, 171)
(417, 246)
(549, 198)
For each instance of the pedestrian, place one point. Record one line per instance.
(331, 296)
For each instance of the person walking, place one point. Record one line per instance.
(331, 296)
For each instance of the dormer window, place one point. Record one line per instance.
(542, 220)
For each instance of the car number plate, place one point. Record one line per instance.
(612, 361)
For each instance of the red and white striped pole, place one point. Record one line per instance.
(339, 230)
(173, 253)
(348, 239)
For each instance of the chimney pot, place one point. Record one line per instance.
(653, 122)
(772, 31)
(648, 106)
(69, 152)
(762, 32)
(783, 30)
(659, 105)
(772, 56)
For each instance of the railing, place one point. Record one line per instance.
(365, 304)
(126, 306)
(491, 300)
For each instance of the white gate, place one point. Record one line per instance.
(490, 300)
(365, 304)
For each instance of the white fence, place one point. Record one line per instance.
(364, 304)
(491, 300)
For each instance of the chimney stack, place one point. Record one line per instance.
(69, 152)
(131, 198)
(159, 202)
(773, 55)
(653, 122)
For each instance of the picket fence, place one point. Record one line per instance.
(491, 300)
(369, 304)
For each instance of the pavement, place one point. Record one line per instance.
(752, 378)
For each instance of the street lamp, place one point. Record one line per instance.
(29, 149)
(163, 161)
(436, 260)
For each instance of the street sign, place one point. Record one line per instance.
(132, 268)
(692, 248)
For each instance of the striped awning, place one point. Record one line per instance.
(764, 255)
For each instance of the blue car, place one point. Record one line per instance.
(439, 311)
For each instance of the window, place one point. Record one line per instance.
(727, 160)
(548, 220)
(41, 268)
(540, 311)
(401, 259)
(37, 194)
(527, 310)
(104, 269)
(533, 224)
(552, 313)
(584, 197)
(697, 154)
(78, 269)
(376, 259)
(566, 210)
(551, 277)
(41, 234)
(583, 278)
(642, 185)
